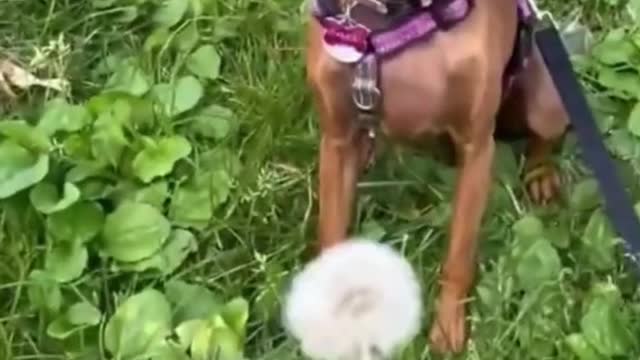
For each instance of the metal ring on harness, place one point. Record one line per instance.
(365, 92)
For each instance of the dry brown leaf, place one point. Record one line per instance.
(14, 75)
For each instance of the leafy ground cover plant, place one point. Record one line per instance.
(156, 206)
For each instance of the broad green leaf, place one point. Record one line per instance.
(605, 327)
(216, 342)
(77, 147)
(139, 325)
(66, 262)
(127, 14)
(134, 231)
(193, 203)
(488, 290)
(169, 350)
(235, 314)
(77, 317)
(170, 12)
(205, 62)
(506, 165)
(154, 194)
(129, 78)
(535, 327)
(605, 123)
(599, 242)
(585, 195)
(108, 139)
(25, 135)
(220, 158)
(61, 329)
(44, 292)
(46, 198)
(142, 112)
(191, 302)
(606, 290)
(196, 7)
(633, 6)
(560, 235)
(129, 110)
(633, 123)
(103, 102)
(158, 157)
(372, 230)
(615, 52)
(623, 144)
(538, 264)
(19, 168)
(201, 343)
(438, 216)
(85, 170)
(182, 96)
(626, 85)
(59, 115)
(108, 64)
(179, 245)
(226, 345)
(95, 189)
(103, 3)
(77, 224)
(187, 330)
(83, 313)
(581, 348)
(227, 27)
(212, 122)
(187, 38)
(157, 39)
(528, 227)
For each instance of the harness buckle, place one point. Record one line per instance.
(365, 92)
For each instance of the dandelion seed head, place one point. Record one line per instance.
(356, 294)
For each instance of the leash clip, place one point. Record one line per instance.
(543, 18)
(376, 5)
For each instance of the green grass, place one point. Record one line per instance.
(241, 164)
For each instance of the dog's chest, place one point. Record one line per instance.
(420, 99)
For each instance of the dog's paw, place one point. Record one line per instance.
(543, 183)
(448, 332)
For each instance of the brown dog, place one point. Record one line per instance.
(448, 86)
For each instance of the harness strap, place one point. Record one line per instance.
(367, 99)
(617, 203)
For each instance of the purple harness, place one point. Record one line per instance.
(420, 24)
(365, 41)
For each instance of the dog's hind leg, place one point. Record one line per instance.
(546, 122)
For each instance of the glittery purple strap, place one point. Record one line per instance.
(524, 10)
(418, 27)
(440, 15)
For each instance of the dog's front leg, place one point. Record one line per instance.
(448, 333)
(341, 160)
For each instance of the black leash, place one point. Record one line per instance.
(617, 204)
